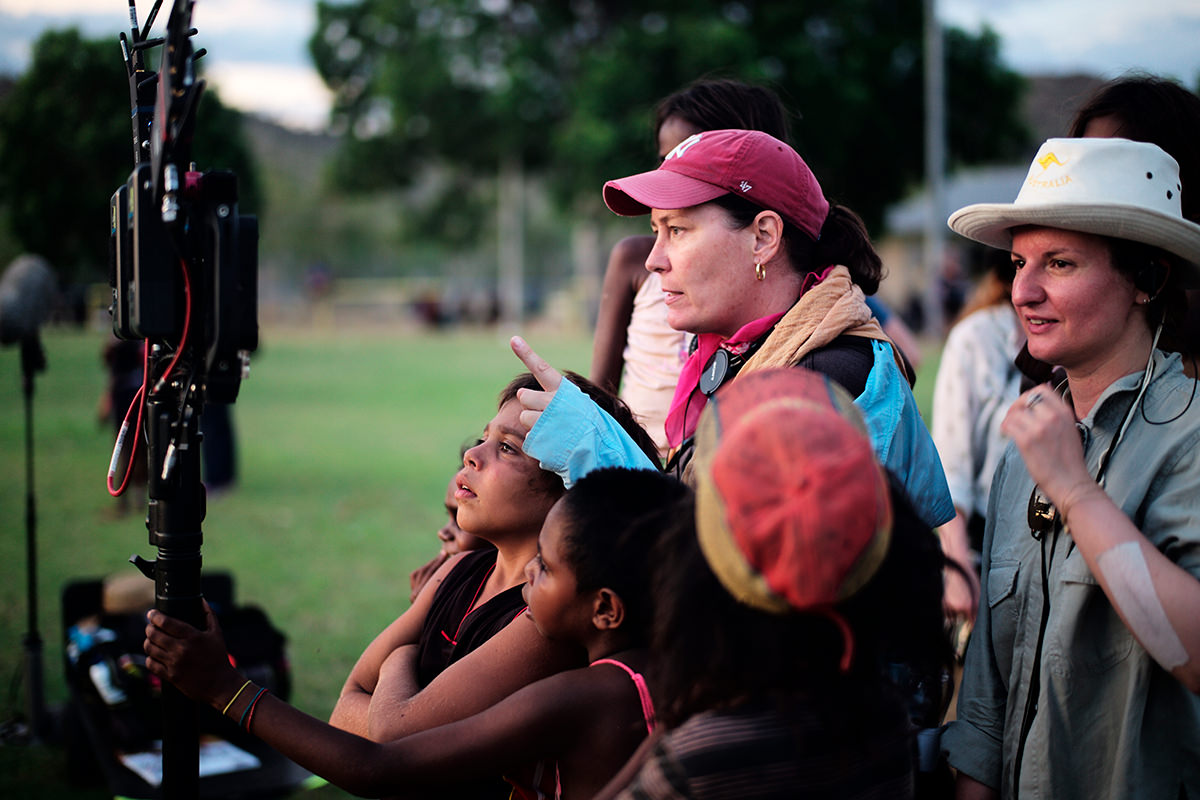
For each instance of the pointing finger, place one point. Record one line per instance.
(546, 375)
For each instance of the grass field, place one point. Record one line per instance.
(346, 441)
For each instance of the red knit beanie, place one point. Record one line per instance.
(792, 507)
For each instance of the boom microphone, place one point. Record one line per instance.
(27, 293)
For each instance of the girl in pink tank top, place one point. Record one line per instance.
(563, 736)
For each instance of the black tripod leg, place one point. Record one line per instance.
(33, 360)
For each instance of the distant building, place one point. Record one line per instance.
(902, 246)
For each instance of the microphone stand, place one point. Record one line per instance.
(33, 360)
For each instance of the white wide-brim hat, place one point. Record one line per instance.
(1109, 187)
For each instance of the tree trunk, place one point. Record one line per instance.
(510, 227)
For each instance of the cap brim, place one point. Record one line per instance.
(661, 188)
(992, 224)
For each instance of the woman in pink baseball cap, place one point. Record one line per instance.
(743, 235)
(756, 261)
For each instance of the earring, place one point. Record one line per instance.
(760, 271)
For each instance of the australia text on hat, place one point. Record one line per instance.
(1047, 162)
(682, 147)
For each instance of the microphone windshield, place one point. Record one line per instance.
(27, 293)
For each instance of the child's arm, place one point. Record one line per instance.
(537, 722)
(350, 712)
(515, 657)
(625, 273)
(397, 683)
(197, 663)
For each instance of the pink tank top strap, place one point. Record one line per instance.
(643, 692)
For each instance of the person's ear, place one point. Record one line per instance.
(1151, 278)
(768, 236)
(608, 610)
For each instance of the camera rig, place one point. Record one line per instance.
(183, 274)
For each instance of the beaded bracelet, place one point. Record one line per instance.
(236, 695)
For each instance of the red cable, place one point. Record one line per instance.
(137, 401)
(187, 324)
(139, 398)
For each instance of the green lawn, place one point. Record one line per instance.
(346, 441)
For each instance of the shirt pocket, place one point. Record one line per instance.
(1090, 635)
(1004, 602)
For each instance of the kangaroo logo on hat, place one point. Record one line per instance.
(1114, 187)
(1048, 159)
(1049, 182)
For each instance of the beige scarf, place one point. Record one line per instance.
(834, 307)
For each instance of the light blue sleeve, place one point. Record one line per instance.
(574, 436)
(901, 440)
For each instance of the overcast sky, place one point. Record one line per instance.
(258, 56)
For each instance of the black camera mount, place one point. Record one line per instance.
(184, 267)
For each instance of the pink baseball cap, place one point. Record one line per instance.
(704, 166)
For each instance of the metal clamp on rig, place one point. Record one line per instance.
(184, 277)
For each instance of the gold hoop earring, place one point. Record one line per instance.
(760, 271)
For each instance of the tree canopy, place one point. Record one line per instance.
(66, 145)
(569, 88)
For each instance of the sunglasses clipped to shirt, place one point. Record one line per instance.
(1042, 515)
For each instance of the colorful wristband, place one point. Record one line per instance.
(236, 695)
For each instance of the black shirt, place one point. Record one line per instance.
(453, 627)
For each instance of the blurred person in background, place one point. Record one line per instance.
(977, 380)
(453, 540)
